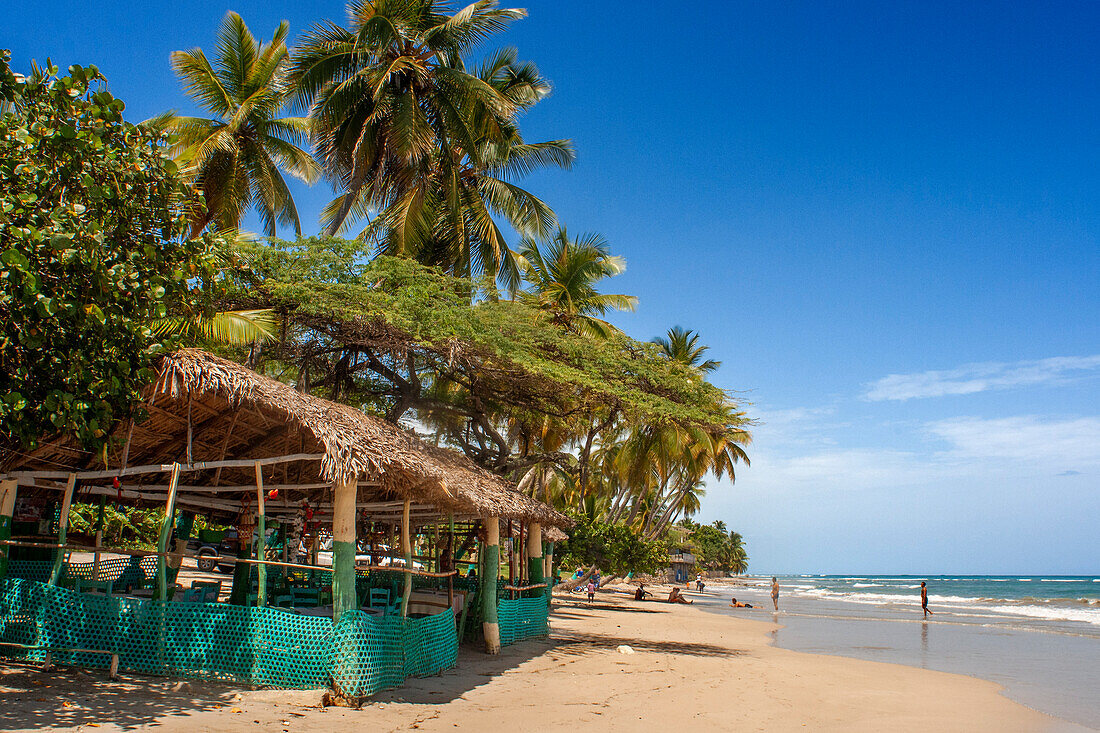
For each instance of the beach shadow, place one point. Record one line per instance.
(564, 609)
(65, 697)
(577, 644)
(474, 669)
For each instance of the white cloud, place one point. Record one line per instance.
(1032, 440)
(972, 378)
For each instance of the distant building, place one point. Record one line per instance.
(681, 567)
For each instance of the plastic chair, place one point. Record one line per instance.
(378, 598)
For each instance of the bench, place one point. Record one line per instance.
(112, 672)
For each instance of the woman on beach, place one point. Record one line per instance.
(735, 604)
(674, 596)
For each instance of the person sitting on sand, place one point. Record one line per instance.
(924, 600)
(674, 596)
(641, 593)
(735, 604)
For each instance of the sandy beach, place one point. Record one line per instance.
(708, 671)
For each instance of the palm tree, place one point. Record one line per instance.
(236, 159)
(408, 135)
(682, 345)
(446, 216)
(563, 280)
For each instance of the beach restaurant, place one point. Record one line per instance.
(290, 472)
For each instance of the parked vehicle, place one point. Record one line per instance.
(221, 554)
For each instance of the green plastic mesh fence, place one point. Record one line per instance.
(271, 647)
(131, 572)
(522, 618)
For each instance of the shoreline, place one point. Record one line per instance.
(687, 666)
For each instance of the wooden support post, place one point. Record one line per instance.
(407, 550)
(344, 597)
(490, 625)
(7, 510)
(63, 529)
(451, 560)
(261, 521)
(165, 531)
(534, 554)
(98, 537)
(113, 672)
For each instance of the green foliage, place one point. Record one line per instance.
(715, 548)
(124, 527)
(91, 252)
(517, 354)
(613, 548)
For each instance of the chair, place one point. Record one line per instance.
(204, 591)
(378, 598)
(106, 587)
(306, 596)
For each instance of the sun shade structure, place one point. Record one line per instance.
(204, 409)
(240, 448)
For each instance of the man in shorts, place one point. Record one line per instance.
(924, 599)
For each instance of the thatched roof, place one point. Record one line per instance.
(206, 408)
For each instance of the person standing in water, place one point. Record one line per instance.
(924, 600)
(775, 593)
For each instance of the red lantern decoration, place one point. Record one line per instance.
(273, 494)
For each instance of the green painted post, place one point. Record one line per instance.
(490, 626)
(261, 550)
(534, 554)
(407, 549)
(344, 597)
(7, 509)
(242, 572)
(184, 524)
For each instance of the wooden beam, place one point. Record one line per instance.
(63, 528)
(166, 467)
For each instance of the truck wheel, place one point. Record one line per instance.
(206, 563)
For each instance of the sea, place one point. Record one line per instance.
(1036, 635)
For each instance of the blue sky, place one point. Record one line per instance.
(883, 217)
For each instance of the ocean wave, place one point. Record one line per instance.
(868, 585)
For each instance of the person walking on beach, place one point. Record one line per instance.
(591, 590)
(924, 600)
(775, 593)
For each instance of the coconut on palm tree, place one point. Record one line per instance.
(237, 157)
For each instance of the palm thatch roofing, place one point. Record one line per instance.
(204, 408)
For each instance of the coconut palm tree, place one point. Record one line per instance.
(563, 275)
(446, 216)
(388, 91)
(237, 157)
(683, 345)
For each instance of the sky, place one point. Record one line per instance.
(884, 218)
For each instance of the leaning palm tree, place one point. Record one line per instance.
(682, 345)
(563, 276)
(237, 158)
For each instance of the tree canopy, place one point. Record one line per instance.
(92, 251)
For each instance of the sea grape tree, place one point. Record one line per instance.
(92, 252)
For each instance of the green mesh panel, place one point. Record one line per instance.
(134, 572)
(522, 618)
(360, 655)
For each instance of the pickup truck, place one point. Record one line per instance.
(222, 554)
